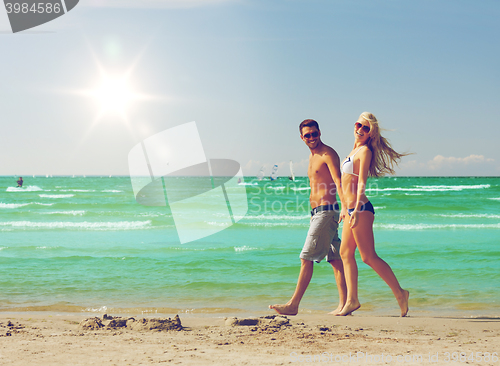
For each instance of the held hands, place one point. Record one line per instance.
(353, 219)
(343, 213)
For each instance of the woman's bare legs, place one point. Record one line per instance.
(347, 251)
(362, 236)
(338, 271)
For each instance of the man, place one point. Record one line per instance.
(20, 182)
(322, 239)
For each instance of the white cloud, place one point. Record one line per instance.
(440, 162)
(151, 3)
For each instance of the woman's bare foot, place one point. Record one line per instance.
(336, 311)
(286, 309)
(349, 308)
(403, 302)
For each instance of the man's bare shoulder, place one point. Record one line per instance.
(329, 152)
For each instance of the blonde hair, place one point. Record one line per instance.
(383, 155)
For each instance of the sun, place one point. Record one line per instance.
(114, 94)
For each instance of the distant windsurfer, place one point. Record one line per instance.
(322, 239)
(20, 182)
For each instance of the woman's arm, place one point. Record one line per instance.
(365, 158)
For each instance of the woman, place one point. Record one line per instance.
(372, 156)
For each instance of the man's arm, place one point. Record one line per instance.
(332, 161)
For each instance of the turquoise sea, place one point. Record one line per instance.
(72, 244)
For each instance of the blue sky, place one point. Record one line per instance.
(248, 72)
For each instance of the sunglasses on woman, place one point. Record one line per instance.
(313, 134)
(358, 125)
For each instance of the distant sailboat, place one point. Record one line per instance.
(292, 175)
(260, 175)
(274, 172)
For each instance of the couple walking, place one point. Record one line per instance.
(372, 155)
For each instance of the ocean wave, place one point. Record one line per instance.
(73, 212)
(13, 205)
(278, 217)
(24, 189)
(275, 188)
(301, 189)
(56, 195)
(111, 191)
(468, 216)
(220, 224)
(77, 190)
(494, 198)
(405, 227)
(273, 224)
(430, 188)
(243, 248)
(118, 225)
(17, 205)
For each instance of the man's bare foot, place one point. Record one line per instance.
(286, 309)
(336, 311)
(349, 308)
(403, 302)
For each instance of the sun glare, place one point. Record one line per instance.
(114, 95)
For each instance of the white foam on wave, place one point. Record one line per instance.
(56, 195)
(147, 214)
(220, 224)
(435, 226)
(77, 190)
(301, 189)
(243, 248)
(13, 205)
(17, 205)
(275, 188)
(111, 191)
(122, 225)
(24, 189)
(248, 184)
(73, 212)
(277, 217)
(430, 188)
(468, 216)
(495, 198)
(275, 224)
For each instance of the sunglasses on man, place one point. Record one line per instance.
(313, 134)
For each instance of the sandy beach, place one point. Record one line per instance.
(37, 338)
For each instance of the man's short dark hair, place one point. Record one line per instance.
(308, 123)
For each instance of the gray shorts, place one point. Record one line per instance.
(323, 237)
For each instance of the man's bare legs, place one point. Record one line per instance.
(338, 271)
(292, 306)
